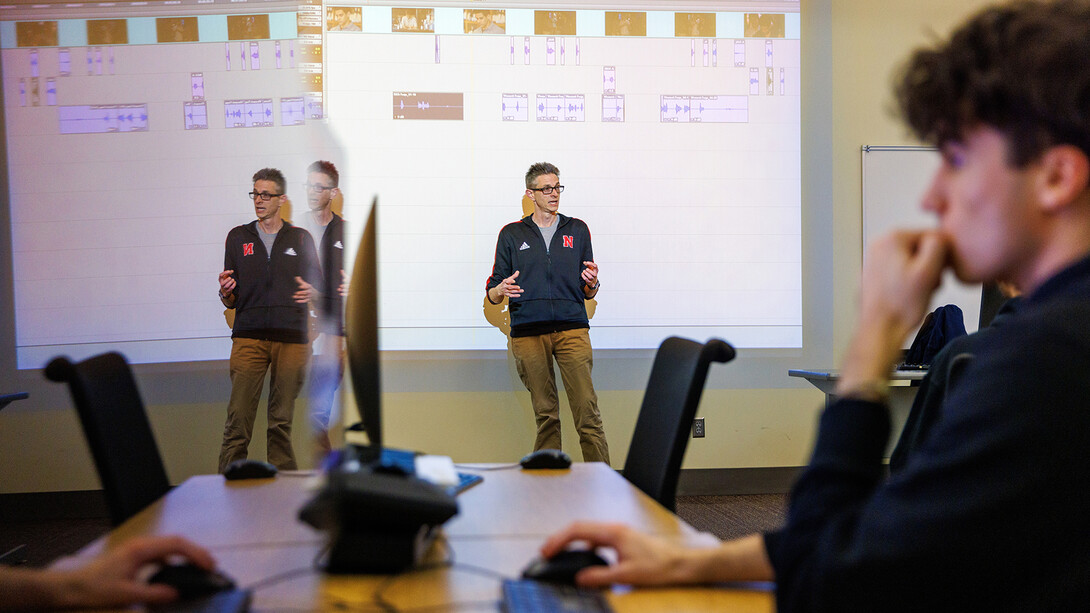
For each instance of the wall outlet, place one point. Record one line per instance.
(698, 427)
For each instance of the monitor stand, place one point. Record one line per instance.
(378, 520)
(379, 551)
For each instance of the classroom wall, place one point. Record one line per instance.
(473, 408)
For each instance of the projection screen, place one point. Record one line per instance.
(133, 129)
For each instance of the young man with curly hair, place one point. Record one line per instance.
(989, 513)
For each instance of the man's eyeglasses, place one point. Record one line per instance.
(266, 196)
(548, 189)
(316, 186)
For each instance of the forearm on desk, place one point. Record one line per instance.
(28, 589)
(743, 559)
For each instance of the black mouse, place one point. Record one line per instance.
(562, 567)
(249, 469)
(546, 458)
(191, 580)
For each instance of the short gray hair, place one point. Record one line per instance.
(541, 168)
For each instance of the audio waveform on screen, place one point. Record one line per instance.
(429, 105)
(103, 118)
(704, 109)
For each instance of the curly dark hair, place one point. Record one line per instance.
(274, 175)
(1019, 67)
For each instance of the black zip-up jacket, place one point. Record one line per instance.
(552, 297)
(988, 513)
(331, 255)
(264, 308)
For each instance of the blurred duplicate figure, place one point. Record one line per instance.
(327, 366)
(270, 270)
(545, 268)
(988, 513)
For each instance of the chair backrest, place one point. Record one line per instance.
(117, 430)
(666, 415)
(954, 371)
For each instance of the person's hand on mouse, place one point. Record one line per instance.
(647, 560)
(641, 559)
(112, 579)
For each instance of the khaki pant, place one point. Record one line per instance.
(250, 360)
(534, 361)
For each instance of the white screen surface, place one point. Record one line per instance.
(680, 152)
(128, 164)
(895, 180)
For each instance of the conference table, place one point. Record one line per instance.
(903, 385)
(6, 399)
(252, 529)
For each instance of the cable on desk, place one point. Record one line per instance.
(450, 606)
(479, 570)
(447, 606)
(315, 566)
(450, 562)
(485, 469)
(378, 600)
(284, 576)
(388, 606)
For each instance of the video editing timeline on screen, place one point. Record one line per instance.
(102, 61)
(520, 83)
(75, 93)
(257, 112)
(571, 107)
(627, 93)
(428, 105)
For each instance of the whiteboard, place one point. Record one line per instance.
(894, 180)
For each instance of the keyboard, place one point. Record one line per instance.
(226, 601)
(526, 596)
(406, 460)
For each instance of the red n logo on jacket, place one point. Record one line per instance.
(569, 242)
(247, 248)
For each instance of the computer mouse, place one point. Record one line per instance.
(249, 469)
(546, 458)
(562, 567)
(191, 580)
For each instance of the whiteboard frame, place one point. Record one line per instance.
(888, 202)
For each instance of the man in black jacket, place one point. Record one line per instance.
(545, 268)
(269, 267)
(989, 514)
(327, 229)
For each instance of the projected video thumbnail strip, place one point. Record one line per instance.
(429, 105)
(704, 109)
(516, 107)
(292, 111)
(196, 116)
(561, 107)
(612, 108)
(103, 118)
(256, 113)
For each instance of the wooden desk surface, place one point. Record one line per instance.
(252, 529)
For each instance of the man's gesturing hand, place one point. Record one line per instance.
(509, 288)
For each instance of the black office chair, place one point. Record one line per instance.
(17, 555)
(117, 430)
(666, 415)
